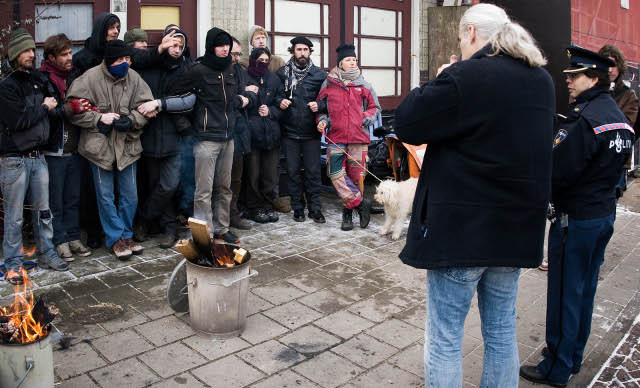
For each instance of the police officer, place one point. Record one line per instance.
(589, 151)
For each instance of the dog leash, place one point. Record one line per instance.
(351, 157)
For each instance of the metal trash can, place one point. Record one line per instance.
(27, 365)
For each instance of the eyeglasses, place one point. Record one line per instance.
(238, 55)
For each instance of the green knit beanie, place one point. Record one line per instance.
(135, 35)
(20, 41)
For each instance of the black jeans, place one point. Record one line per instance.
(89, 218)
(304, 154)
(65, 174)
(236, 183)
(262, 169)
(162, 177)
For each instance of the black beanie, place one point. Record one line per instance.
(221, 40)
(115, 49)
(345, 50)
(301, 40)
(256, 52)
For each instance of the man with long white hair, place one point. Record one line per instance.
(480, 205)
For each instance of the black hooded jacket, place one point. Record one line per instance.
(24, 123)
(218, 97)
(161, 137)
(93, 52)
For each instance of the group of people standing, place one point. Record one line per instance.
(121, 139)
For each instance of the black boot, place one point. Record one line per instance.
(364, 211)
(347, 219)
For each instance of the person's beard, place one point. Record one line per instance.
(302, 62)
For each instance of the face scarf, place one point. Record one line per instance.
(258, 69)
(119, 71)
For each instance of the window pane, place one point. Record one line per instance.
(378, 22)
(297, 16)
(355, 20)
(383, 81)
(399, 53)
(377, 52)
(326, 19)
(73, 20)
(399, 82)
(326, 53)
(154, 17)
(399, 24)
(267, 15)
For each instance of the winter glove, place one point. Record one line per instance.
(104, 128)
(123, 124)
(81, 105)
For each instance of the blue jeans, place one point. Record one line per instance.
(18, 176)
(187, 187)
(116, 222)
(65, 174)
(450, 291)
(575, 255)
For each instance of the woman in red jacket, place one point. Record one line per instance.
(352, 106)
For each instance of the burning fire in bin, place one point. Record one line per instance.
(26, 356)
(216, 278)
(25, 320)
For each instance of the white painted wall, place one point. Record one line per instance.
(415, 43)
(205, 23)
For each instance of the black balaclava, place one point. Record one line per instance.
(217, 37)
(258, 69)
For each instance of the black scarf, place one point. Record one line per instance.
(216, 63)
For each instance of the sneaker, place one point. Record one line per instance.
(64, 252)
(239, 223)
(280, 205)
(317, 216)
(347, 219)
(78, 249)
(364, 211)
(53, 262)
(298, 215)
(140, 232)
(273, 216)
(135, 248)
(14, 276)
(228, 237)
(259, 216)
(121, 249)
(167, 240)
(545, 265)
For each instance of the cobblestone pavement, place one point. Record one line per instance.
(328, 308)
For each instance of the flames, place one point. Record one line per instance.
(223, 256)
(19, 315)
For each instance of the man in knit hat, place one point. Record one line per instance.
(110, 140)
(28, 103)
(137, 38)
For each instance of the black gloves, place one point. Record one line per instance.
(123, 124)
(104, 128)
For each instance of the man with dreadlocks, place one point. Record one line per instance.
(302, 81)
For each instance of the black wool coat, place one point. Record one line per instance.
(265, 131)
(485, 182)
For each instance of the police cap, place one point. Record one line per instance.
(582, 60)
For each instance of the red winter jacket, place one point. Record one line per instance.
(350, 108)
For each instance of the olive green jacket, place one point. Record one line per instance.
(109, 95)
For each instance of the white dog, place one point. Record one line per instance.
(397, 198)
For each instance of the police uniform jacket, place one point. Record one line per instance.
(590, 149)
(485, 181)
